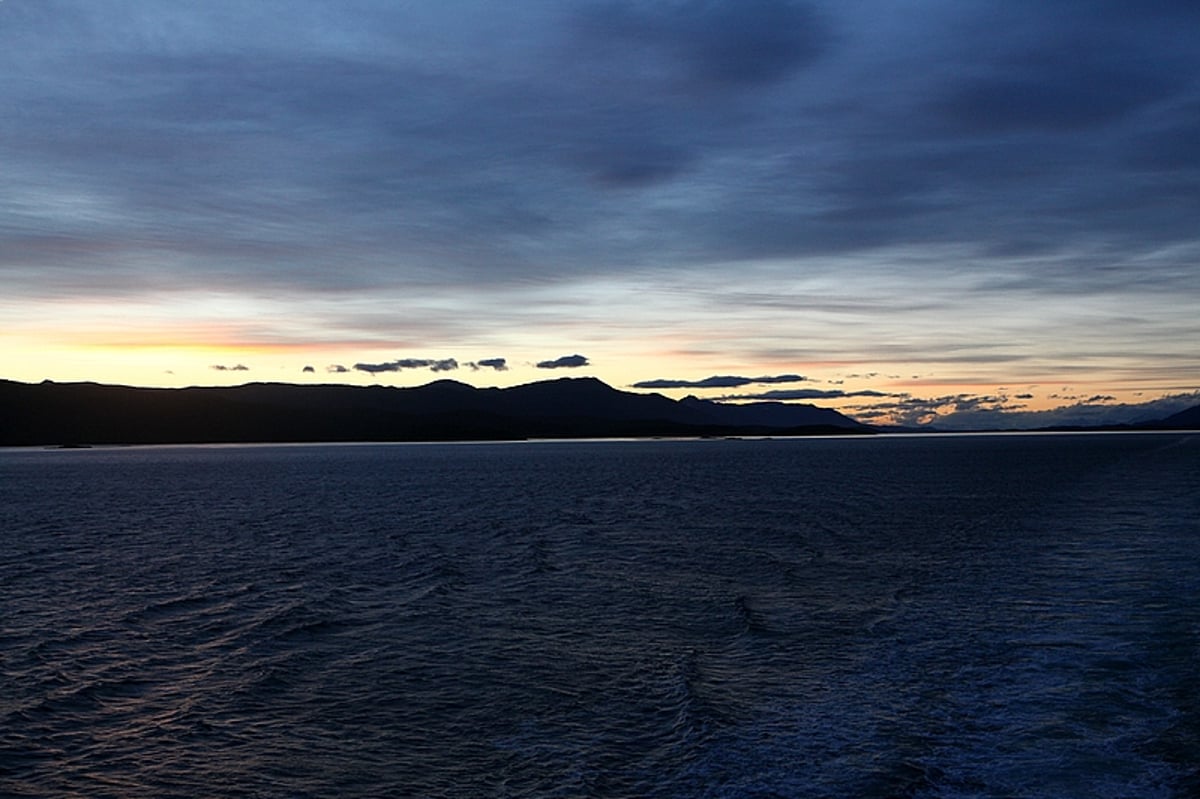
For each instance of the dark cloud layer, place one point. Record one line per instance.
(225, 141)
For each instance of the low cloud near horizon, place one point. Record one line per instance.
(445, 365)
(565, 362)
(719, 381)
(784, 395)
(238, 368)
(978, 412)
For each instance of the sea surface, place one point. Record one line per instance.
(957, 616)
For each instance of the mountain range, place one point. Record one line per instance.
(50, 413)
(1184, 420)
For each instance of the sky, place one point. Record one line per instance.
(924, 211)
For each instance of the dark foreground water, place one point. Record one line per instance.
(984, 616)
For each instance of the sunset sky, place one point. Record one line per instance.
(897, 209)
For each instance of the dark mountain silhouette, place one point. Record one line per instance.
(1188, 419)
(1184, 420)
(88, 413)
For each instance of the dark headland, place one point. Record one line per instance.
(49, 414)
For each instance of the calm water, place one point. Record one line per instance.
(985, 616)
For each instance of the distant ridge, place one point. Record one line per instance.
(1188, 419)
(51, 413)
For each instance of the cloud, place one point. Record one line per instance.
(238, 368)
(308, 370)
(446, 365)
(499, 364)
(975, 412)
(337, 369)
(478, 173)
(377, 368)
(951, 168)
(909, 411)
(716, 381)
(719, 381)
(565, 362)
(805, 394)
(710, 45)
(634, 164)
(1053, 96)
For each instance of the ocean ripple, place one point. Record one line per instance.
(907, 617)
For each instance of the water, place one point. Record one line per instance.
(978, 616)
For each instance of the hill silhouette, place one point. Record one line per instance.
(1188, 419)
(51, 413)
